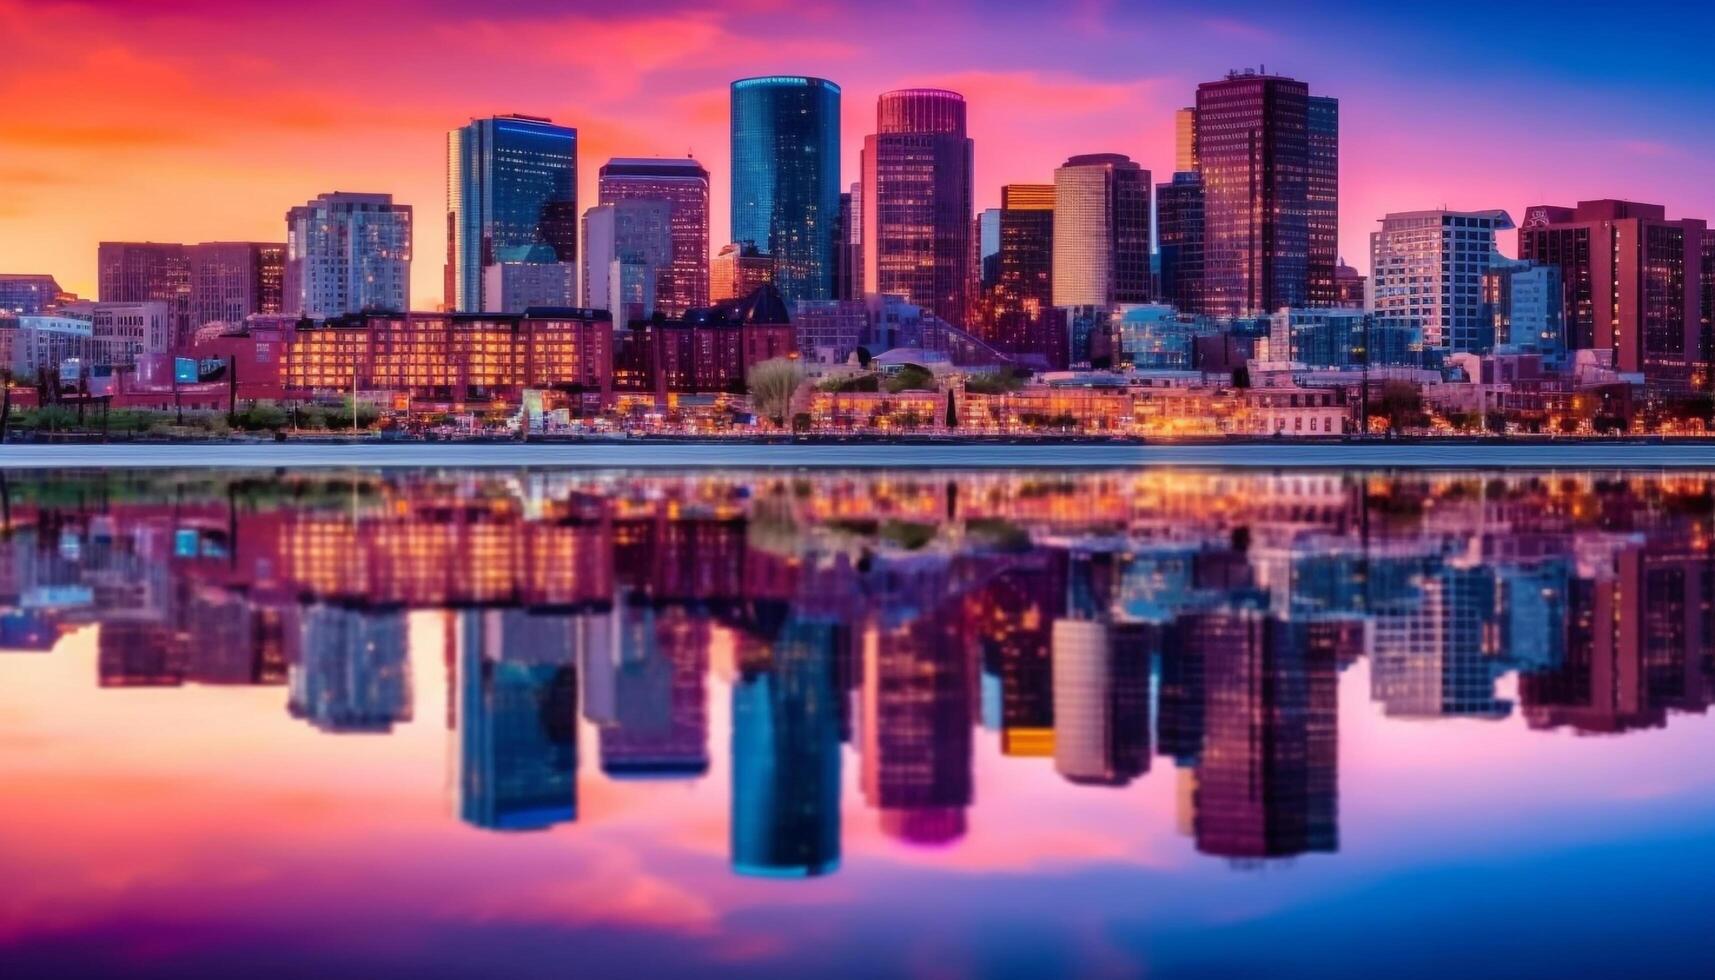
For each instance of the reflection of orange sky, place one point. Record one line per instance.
(188, 802)
(125, 120)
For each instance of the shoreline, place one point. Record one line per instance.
(1429, 454)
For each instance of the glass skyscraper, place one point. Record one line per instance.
(512, 196)
(786, 177)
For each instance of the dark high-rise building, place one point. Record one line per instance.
(917, 201)
(684, 284)
(1253, 152)
(1179, 232)
(1631, 282)
(847, 276)
(136, 272)
(1019, 315)
(786, 177)
(917, 720)
(1322, 200)
(1101, 231)
(786, 756)
(1266, 776)
(512, 196)
(232, 280)
(517, 719)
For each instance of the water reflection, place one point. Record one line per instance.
(1189, 627)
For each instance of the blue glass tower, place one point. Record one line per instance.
(786, 758)
(786, 177)
(512, 196)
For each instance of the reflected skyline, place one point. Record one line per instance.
(1190, 627)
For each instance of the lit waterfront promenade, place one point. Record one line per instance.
(640, 454)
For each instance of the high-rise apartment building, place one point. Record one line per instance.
(1426, 269)
(628, 247)
(1101, 231)
(1631, 281)
(346, 253)
(512, 196)
(1267, 181)
(917, 201)
(786, 177)
(684, 185)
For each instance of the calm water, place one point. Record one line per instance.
(963, 723)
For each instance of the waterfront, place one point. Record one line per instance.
(1588, 454)
(930, 719)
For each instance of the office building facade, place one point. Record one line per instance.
(917, 201)
(684, 185)
(1101, 231)
(786, 177)
(1427, 267)
(512, 196)
(1630, 281)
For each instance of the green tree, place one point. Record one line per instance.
(952, 411)
(772, 384)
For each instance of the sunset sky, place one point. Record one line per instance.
(191, 120)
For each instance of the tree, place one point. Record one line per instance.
(911, 377)
(952, 412)
(772, 385)
(1242, 377)
(1401, 404)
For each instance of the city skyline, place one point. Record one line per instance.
(265, 139)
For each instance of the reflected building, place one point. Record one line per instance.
(654, 721)
(353, 675)
(1266, 780)
(919, 691)
(1101, 701)
(786, 755)
(517, 720)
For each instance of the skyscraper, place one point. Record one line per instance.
(1254, 150)
(1019, 319)
(346, 253)
(917, 201)
(512, 196)
(1322, 200)
(628, 247)
(1101, 231)
(684, 185)
(1179, 233)
(1426, 271)
(1630, 278)
(786, 177)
